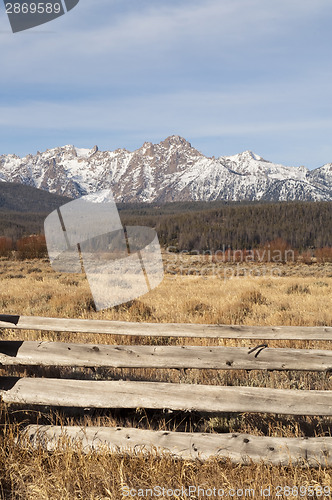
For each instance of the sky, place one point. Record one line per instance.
(227, 75)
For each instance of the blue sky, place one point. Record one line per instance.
(228, 75)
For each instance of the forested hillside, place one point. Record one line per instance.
(239, 226)
(24, 208)
(188, 226)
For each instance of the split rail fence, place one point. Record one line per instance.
(240, 448)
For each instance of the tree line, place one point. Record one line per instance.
(301, 226)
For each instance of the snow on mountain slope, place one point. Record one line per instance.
(323, 176)
(169, 171)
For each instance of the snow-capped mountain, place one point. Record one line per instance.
(169, 171)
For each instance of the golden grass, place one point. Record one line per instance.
(301, 295)
(70, 474)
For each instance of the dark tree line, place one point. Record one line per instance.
(302, 224)
(203, 226)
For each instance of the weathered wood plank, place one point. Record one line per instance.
(239, 448)
(157, 395)
(166, 329)
(214, 357)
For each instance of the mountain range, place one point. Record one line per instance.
(170, 171)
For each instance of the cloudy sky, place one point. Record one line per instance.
(228, 75)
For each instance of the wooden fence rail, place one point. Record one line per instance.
(160, 395)
(32, 353)
(186, 330)
(239, 448)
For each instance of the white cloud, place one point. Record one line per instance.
(158, 34)
(201, 114)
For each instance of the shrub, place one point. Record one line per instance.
(306, 257)
(302, 289)
(324, 254)
(31, 247)
(6, 246)
(277, 250)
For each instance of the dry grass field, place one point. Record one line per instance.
(194, 290)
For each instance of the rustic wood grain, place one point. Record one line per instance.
(214, 357)
(157, 395)
(167, 329)
(239, 448)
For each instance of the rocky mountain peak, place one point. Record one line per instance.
(175, 140)
(172, 170)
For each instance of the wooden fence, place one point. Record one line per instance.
(159, 395)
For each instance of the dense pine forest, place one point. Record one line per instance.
(190, 226)
(198, 227)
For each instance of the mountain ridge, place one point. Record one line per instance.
(16, 197)
(172, 170)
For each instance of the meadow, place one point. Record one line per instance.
(195, 290)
